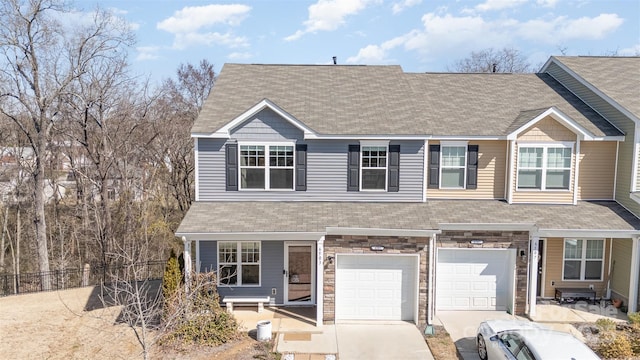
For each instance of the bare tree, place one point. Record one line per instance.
(179, 106)
(506, 60)
(40, 59)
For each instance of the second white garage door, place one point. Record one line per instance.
(474, 279)
(376, 287)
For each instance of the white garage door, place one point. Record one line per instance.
(474, 279)
(376, 287)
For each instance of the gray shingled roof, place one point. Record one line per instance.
(383, 100)
(228, 217)
(616, 77)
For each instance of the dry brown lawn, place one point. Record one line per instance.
(73, 324)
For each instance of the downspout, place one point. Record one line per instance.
(533, 274)
(187, 264)
(577, 172)
(320, 282)
(430, 279)
(635, 273)
(509, 184)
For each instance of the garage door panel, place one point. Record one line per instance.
(472, 279)
(385, 288)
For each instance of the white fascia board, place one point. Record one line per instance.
(488, 226)
(265, 236)
(558, 115)
(467, 137)
(587, 233)
(597, 91)
(380, 232)
(225, 131)
(366, 137)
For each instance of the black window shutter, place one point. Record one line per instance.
(434, 167)
(394, 168)
(353, 168)
(301, 167)
(231, 165)
(472, 166)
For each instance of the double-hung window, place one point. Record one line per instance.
(374, 168)
(583, 259)
(453, 165)
(544, 167)
(267, 167)
(239, 263)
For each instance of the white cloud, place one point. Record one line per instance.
(240, 56)
(547, 3)
(492, 5)
(328, 15)
(456, 36)
(193, 18)
(147, 53)
(191, 25)
(630, 51)
(400, 6)
(562, 28)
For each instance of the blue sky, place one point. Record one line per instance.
(419, 35)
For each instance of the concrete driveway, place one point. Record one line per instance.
(462, 326)
(355, 341)
(376, 340)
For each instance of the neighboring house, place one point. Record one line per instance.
(375, 194)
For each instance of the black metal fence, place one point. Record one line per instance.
(73, 278)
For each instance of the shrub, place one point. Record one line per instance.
(634, 319)
(615, 345)
(171, 283)
(606, 324)
(200, 320)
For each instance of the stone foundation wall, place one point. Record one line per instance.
(518, 240)
(351, 244)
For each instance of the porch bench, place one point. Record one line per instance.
(563, 293)
(260, 300)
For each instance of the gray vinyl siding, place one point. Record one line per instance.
(266, 125)
(622, 122)
(326, 177)
(271, 266)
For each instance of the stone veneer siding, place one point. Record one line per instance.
(518, 240)
(351, 244)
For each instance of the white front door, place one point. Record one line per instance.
(299, 273)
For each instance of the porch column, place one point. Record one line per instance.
(635, 273)
(187, 264)
(320, 282)
(533, 274)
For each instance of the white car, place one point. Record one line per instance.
(523, 340)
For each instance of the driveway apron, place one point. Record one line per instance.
(462, 326)
(381, 340)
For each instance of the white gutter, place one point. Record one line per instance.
(265, 236)
(600, 233)
(488, 226)
(380, 232)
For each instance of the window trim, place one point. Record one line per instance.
(544, 168)
(267, 167)
(364, 144)
(583, 259)
(238, 263)
(462, 144)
